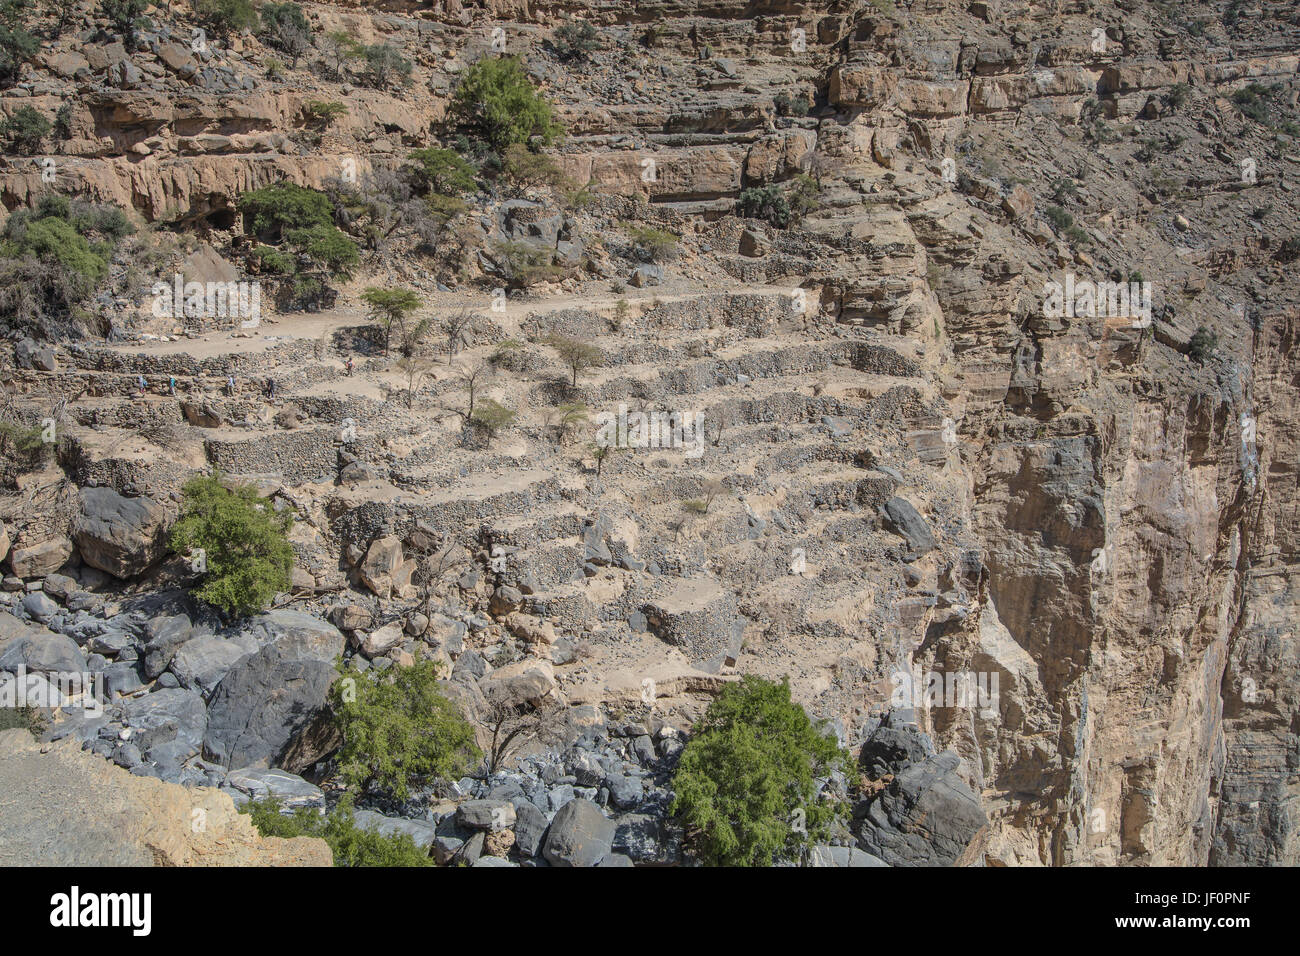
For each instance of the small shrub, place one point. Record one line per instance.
(17, 43)
(1252, 101)
(226, 18)
(524, 264)
(790, 104)
(398, 730)
(1177, 95)
(657, 245)
(28, 718)
(385, 66)
(243, 543)
(322, 113)
(1202, 344)
(492, 417)
(764, 202)
(351, 845)
(1058, 217)
(24, 131)
(575, 40)
(125, 16)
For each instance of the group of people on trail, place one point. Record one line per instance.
(268, 390)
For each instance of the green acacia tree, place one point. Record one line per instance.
(237, 540)
(747, 775)
(496, 96)
(389, 307)
(398, 730)
(442, 171)
(17, 43)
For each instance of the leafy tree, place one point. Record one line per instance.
(273, 209)
(286, 28)
(226, 18)
(389, 307)
(748, 771)
(492, 417)
(242, 541)
(24, 131)
(579, 356)
(764, 202)
(341, 48)
(385, 65)
(17, 44)
(569, 416)
(522, 168)
(328, 249)
(805, 196)
(52, 259)
(323, 112)
(496, 97)
(126, 17)
(351, 845)
(442, 171)
(398, 730)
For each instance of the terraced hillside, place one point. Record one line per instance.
(819, 239)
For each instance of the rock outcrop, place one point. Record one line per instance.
(60, 806)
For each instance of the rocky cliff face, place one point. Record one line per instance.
(1098, 511)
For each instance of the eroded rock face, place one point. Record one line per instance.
(66, 807)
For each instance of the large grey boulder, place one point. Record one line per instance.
(299, 635)
(38, 560)
(904, 520)
(926, 816)
(201, 664)
(486, 814)
(167, 725)
(842, 856)
(119, 535)
(265, 701)
(580, 835)
(163, 636)
(530, 828)
(42, 651)
(421, 831)
(889, 749)
(290, 790)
